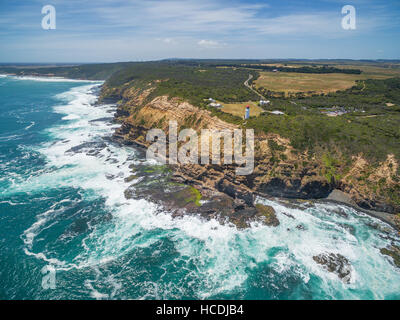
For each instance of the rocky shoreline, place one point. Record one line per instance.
(228, 202)
(218, 187)
(157, 184)
(162, 184)
(187, 190)
(337, 196)
(242, 202)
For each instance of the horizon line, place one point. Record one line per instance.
(196, 59)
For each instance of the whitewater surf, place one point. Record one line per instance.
(62, 204)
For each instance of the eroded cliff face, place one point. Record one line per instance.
(280, 171)
(373, 187)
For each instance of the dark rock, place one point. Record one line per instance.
(112, 160)
(277, 187)
(121, 113)
(335, 263)
(348, 227)
(242, 218)
(109, 100)
(235, 192)
(91, 148)
(179, 199)
(301, 227)
(316, 189)
(340, 212)
(105, 119)
(110, 176)
(267, 214)
(130, 178)
(289, 215)
(370, 204)
(394, 252)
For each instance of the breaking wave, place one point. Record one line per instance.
(112, 247)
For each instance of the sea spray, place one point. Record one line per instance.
(63, 202)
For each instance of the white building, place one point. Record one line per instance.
(277, 112)
(215, 105)
(264, 102)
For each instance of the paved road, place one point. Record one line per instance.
(246, 83)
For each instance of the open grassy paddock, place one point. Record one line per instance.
(238, 109)
(321, 83)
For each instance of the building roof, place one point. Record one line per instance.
(277, 112)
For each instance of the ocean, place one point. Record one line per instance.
(62, 208)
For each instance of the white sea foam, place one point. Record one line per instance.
(12, 203)
(11, 137)
(131, 217)
(30, 125)
(221, 254)
(49, 79)
(71, 117)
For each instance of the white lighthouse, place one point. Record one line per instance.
(247, 113)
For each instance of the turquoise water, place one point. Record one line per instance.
(62, 205)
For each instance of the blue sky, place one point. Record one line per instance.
(132, 30)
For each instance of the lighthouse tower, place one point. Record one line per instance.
(247, 113)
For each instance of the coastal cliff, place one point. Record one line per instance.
(279, 170)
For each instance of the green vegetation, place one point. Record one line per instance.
(303, 69)
(394, 252)
(331, 165)
(295, 85)
(333, 111)
(194, 84)
(283, 84)
(195, 196)
(268, 214)
(372, 106)
(158, 169)
(187, 195)
(370, 127)
(87, 72)
(131, 178)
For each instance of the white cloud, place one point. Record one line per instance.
(179, 17)
(168, 40)
(221, 19)
(107, 30)
(210, 44)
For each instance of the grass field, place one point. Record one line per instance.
(321, 83)
(238, 109)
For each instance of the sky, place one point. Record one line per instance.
(141, 30)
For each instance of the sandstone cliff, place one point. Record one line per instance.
(280, 171)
